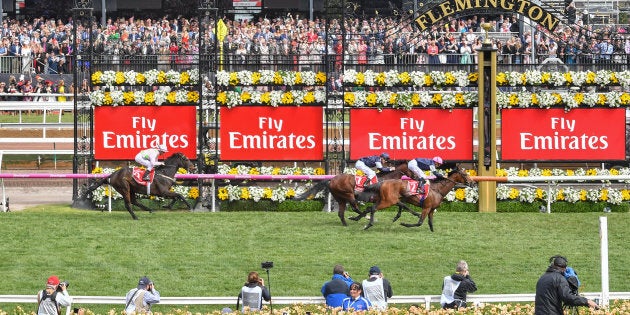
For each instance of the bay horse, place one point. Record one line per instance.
(122, 180)
(396, 192)
(343, 188)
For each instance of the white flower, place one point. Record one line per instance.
(223, 78)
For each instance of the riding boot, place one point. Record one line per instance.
(146, 177)
(421, 183)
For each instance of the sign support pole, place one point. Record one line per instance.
(487, 117)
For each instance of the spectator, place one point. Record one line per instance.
(377, 289)
(456, 287)
(337, 289)
(140, 299)
(356, 302)
(61, 89)
(55, 296)
(253, 292)
(552, 290)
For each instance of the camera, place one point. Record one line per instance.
(64, 283)
(267, 264)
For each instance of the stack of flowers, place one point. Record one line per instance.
(271, 98)
(270, 77)
(148, 78)
(158, 97)
(394, 78)
(569, 100)
(408, 100)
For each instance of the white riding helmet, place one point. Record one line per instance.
(162, 148)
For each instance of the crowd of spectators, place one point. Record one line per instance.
(42, 46)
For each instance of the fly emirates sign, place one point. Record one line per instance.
(250, 133)
(121, 132)
(411, 134)
(553, 134)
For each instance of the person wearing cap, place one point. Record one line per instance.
(149, 159)
(456, 287)
(141, 298)
(419, 165)
(377, 289)
(365, 164)
(55, 296)
(552, 290)
(338, 288)
(253, 292)
(356, 302)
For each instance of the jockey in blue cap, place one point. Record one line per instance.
(365, 164)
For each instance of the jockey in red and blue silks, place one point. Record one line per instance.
(419, 165)
(365, 164)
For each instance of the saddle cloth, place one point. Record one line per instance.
(137, 174)
(360, 182)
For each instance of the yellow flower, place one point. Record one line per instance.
(560, 194)
(568, 77)
(290, 193)
(96, 77)
(534, 99)
(578, 98)
(193, 193)
(298, 78)
(184, 78)
(370, 99)
(119, 78)
(348, 99)
(320, 78)
(473, 77)
(380, 79)
(233, 171)
(590, 77)
(436, 99)
(625, 194)
(557, 97)
(513, 193)
(523, 173)
(267, 193)
(404, 77)
(276, 171)
(256, 77)
(570, 172)
(501, 78)
(614, 171)
(501, 172)
(428, 81)
(171, 97)
(545, 77)
(513, 99)
(613, 78)
(161, 77)
(233, 78)
(624, 99)
(360, 173)
(546, 172)
(309, 98)
(471, 172)
(107, 100)
(245, 97)
(591, 172)
(540, 193)
(460, 194)
(582, 195)
(287, 98)
(459, 99)
(523, 79)
(604, 196)
(97, 170)
(254, 171)
(360, 79)
(222, 97)
(277, 79)
(265, 98)
(415, 99)
(320, 171)
(223, 193)
(192, 96)
(128, 97)
(245, 193)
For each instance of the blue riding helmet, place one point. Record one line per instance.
(385, 156)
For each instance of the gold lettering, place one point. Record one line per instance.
(446, 9)
(493, 2)
(462, 5)
(422, 22)
(521, 6)
(433, 18)
(550, 22)
(507, 5)
(535, 13)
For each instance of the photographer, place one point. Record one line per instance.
(55, 296)
(338, 288)
(552, 290)
(253, 292)
(140, 299)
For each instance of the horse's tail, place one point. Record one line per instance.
(96, 184)
(311, 192)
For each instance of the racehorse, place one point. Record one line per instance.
(123, 181)
(396, 192)
(343, 187)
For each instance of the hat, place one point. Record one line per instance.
(161, 147)
(375, 270)
(559, 261)
(53, 280)
(144, 281)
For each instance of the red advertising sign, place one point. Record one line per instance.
(411, 134)
(121, 132)
(553, 134)
(271, 133)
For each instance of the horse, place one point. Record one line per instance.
(122, 180)
(396, 192)
(343, 188)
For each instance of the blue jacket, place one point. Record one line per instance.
(360, 304)
(370, 161)
(336, 290)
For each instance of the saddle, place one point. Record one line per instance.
(137, 174)
(360, 182)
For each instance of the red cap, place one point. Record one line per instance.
(53, 280)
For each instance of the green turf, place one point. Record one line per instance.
(210, 254)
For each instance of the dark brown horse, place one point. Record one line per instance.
(395, 192)
(343, 189)
(124, 183)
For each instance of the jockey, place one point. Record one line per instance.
(365, 164)
(149, 159)
(419, 165)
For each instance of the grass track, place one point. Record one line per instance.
(209, 254)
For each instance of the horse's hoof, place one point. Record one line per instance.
(408, 225)
(395, 219)
(367, 226)
(354, 218)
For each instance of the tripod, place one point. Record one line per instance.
(269, 288)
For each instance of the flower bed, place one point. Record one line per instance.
(148, 78)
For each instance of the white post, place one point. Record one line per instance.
(109, 198)
(213, 193)
(603, 236)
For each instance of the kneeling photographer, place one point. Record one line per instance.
(51, 300)
(253, 292)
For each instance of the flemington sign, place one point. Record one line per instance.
(440, 11)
